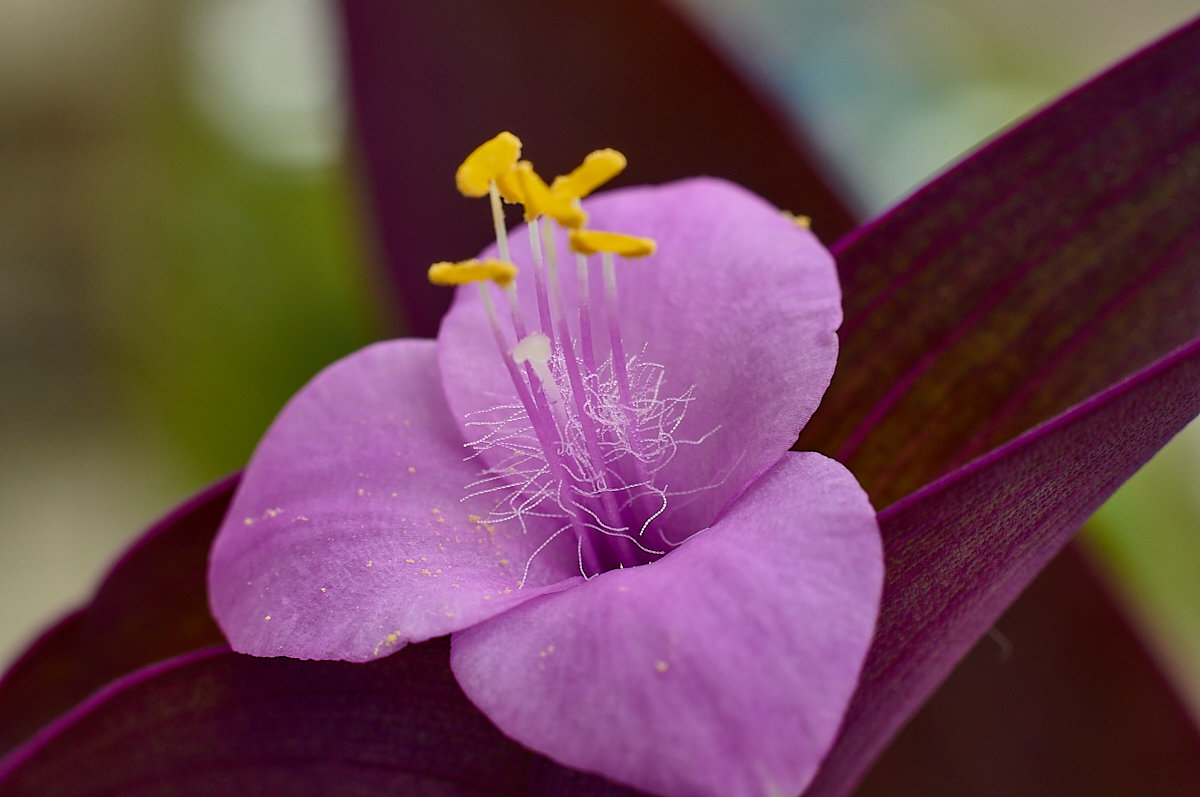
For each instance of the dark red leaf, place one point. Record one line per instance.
(152, 605)
(1058, 265)
(1061, 699)
(1058, 260)
(960, 550)
(215, 722)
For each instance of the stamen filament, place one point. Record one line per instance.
(498, 221)
(590, 430)
(534, 352)
(534, 410)
(621, 372)
(614, 330)
(591, 435)
(587, 348)
(539, 277)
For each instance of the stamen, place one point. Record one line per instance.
(597, 169)
(583, 277)
(587, 424)
(535, 351)
(486, 162)
(531, 191)
(503, 273)
(591, 429)
(589, 242)
(539, 277)
(445, 273)
(498, 220)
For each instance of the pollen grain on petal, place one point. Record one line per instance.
(532, 348)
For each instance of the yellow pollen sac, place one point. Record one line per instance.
(497, 271)
(486, 163)
(589, 242)
(597, 169)
(523, 185)
(509, 183)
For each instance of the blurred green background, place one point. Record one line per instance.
(183, 242)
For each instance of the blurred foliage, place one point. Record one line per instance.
(230, 279)
(180, 250)
(249, 280)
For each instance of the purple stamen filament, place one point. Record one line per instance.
(590, 431)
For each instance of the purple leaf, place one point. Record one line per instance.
(1048, 704)
(1067, 304)
(152, 605)
(960, 550)
(1058, 260)
(431, 80)
(215, 722)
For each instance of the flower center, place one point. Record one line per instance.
(592, 426)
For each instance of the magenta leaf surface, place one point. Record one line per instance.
(1055, 262)
(960, 550)
(1058, 265)
(1046, 704)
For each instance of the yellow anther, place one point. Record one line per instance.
(589, 242)
(597, 169)
(497, 271)
(509, 183)
(486, 163)
(523, 185)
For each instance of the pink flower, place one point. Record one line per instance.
(645, 583)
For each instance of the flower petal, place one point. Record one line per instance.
(151, 605)
(738, 302)
(723, 668)
(350, 536)
(614, 71)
